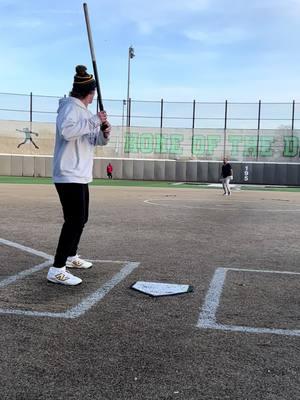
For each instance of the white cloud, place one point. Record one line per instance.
(223, 36)
(149, 15)
(174, 55)
(264, 8)
(30, 23)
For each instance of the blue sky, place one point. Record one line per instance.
(207, 50)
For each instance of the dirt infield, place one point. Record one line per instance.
(232, 339)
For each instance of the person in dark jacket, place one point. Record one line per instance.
(227, 175)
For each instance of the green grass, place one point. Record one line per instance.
(25, 179)
(272, 188)
(133, 183)
(96, 182)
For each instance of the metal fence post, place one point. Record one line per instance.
(128, 111)
(123, 113)
(193, 126)
(293, 117)
(161, 122)
(225, 128)
(161, 112)
(258, 128)
(30, 112)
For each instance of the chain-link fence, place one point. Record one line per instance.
(163, 114)
(156, 129)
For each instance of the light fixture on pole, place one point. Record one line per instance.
(130, 56)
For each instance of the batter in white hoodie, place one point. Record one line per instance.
(77, 133)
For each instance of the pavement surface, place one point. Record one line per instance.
(103, 340)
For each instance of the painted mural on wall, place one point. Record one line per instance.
(273, 145)
(239, 145)
(27, 137)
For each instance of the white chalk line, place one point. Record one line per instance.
(229, 206)
(212, 298)
(31, 313)
(26, 249)
(95, 297)
(23, 274)
(27, 272)
(268, 271)
(249, 329)
(80, 308)
(106, 261)
(207, 318)
(87, 303)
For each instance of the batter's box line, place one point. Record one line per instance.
(87, 303)
(207, 318)
(84, 305)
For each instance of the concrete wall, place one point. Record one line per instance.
(165, 170)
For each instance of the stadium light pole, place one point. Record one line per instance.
(130, 56)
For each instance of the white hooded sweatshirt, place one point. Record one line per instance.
(77, 133)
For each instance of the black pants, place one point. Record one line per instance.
(74, 198)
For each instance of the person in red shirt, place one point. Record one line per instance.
(109, 170)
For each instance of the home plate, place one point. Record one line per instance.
(156, 289)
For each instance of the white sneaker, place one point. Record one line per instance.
(62, 276)
(77, 262)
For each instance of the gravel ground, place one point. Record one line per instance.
(130, 345)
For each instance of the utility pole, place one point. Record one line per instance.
(130, 56)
